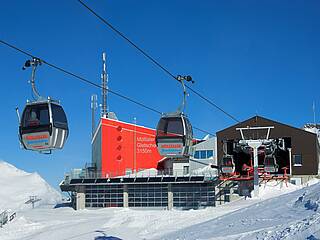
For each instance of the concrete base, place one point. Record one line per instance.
(80, 198)
(304, 178)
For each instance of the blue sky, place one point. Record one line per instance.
(247, 56)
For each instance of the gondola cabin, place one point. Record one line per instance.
(43, 126)
(228, 166)
(174, 136)
(270, 164)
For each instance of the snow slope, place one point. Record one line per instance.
(275, 215)
(295, 215)
(16, 186)
(279, 213)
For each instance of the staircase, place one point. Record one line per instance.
(226, 191)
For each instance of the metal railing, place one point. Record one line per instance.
(93, 173)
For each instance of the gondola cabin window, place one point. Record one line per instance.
(170, 127)
(36, 116)
(59, 117)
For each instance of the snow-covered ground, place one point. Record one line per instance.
(16, 187)
(279, 213)
(290, 216)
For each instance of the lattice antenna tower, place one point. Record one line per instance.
(104, 78)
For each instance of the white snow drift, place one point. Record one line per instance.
(16, 186)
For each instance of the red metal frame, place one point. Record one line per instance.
(264, 176)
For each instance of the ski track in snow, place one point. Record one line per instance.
(283, 217)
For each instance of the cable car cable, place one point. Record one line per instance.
(79, 77)
(144, 53)
(204, 131)
(212, 103)
(90, 82)
(128, 40)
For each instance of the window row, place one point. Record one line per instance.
(147, 190)
(149, 204)
(203, 154)
(104, 187)
(190, 194)
(101, 205)
(162, 199)
(193, 199)
(104, 191)
(148, 196)
(104, 200)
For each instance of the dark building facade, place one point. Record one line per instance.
(165, 192)
(304, 146)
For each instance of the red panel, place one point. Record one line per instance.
(127, 146)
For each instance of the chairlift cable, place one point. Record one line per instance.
(90, 82)
(128, 40)
(144, 53)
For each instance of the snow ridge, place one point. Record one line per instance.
(16, 186)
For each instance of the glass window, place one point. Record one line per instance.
(203, 154)
(185, 170)
(170, 126)
(297, 160)
(197, 154)
(227, 161)
(209, 153)
(59, 117)
(269, 161)
(36, 115)
(175, 126)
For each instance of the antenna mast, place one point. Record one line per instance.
(94, 106)
(104, 77)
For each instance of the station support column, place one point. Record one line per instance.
(80, 198)
(125, 196)
(170, 197)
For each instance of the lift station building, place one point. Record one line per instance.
(127, 171)
(120, 148)
(303, 156)
(122, 151)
